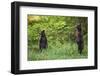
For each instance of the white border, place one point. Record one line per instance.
(24, 64)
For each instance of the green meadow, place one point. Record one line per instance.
(60, 33)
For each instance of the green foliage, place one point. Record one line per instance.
(60, 33)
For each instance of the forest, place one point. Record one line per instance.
(60, 34)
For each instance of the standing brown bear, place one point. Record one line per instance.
(79, 38)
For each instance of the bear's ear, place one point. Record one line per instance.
(43, 30)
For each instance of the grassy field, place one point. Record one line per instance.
(56, 51)
(60, 32)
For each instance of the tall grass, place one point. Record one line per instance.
(57, 51)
